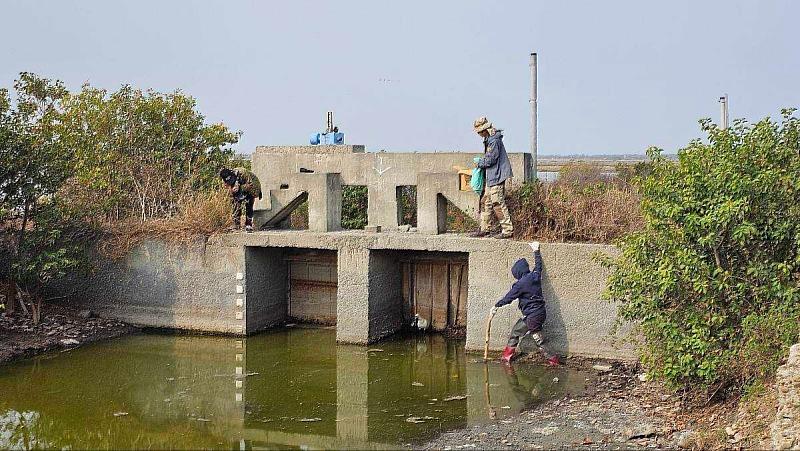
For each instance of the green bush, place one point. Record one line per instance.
(354, 206)
(712, 279)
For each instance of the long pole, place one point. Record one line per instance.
(723, 112)
(533, 102)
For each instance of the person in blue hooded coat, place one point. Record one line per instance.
(498, 170)
(528, 290)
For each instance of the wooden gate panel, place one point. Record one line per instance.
(312, 290)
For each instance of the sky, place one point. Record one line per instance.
(614, 76)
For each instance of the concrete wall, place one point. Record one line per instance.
(196, 287)
(283, 172)
(579, 321)
(182, 287)
(785, 430)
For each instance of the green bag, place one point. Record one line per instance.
(478, 176)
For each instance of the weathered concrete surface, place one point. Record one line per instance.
(236, 283)
(326, 149)
(579, 321)
(785, 430)
(182, 287)
(352, 295)
(283, 172)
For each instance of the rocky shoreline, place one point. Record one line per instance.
(619, 410)
(60, 328)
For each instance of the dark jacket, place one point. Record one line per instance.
(249, 184)
(527, 288)
(495, 160)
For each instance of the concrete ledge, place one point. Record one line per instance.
(236, 283)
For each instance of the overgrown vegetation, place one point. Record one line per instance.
(78, 166)
(583, 205)
(712, 278)
(354, 207)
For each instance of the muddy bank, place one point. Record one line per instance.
(60, 328)
(619, 410)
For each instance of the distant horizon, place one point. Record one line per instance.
(614, 77)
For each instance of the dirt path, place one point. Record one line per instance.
(60, 328)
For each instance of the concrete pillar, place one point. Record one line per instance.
(369, 302)
(431, 205)
(434, 189)
(352, 298)
(324, 201)
(382, 205)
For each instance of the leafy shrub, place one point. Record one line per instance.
(71, 163)
(354, 206)
(712, 278)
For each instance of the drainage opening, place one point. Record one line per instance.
(435, 291)
(312, 286)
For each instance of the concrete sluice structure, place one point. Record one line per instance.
(370, 285)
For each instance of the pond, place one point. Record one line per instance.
(288, 388)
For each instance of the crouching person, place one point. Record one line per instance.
(528, 289)
(244, 188)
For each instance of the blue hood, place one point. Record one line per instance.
(520, 268)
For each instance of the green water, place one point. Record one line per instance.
(293, 388)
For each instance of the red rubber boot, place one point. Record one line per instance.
(508, 353)
(553, 361)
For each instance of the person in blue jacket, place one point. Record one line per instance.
(528, 290)
(498, 169)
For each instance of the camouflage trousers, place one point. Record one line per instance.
(248, 202)
(493, 203)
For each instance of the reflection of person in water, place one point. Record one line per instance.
(525, 395)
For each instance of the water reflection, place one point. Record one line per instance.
(292, 388)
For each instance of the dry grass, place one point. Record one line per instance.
(584, 210)
(200, 216)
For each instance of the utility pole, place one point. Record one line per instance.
(723, 112)
(533, 100)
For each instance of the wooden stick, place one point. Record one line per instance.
(486, 341)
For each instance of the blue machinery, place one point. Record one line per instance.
(330, 136)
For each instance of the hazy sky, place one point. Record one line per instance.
(614, 76)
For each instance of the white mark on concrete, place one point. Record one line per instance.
(239, 357)
(239, 289)
(380, 169)
(239, 371)
(239, 276)
(239, 344)
(239, 383)
(238, 397)
(239, 315)
(240, 302)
